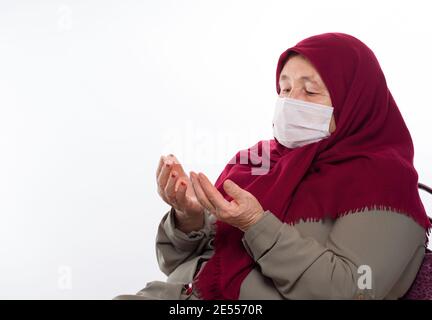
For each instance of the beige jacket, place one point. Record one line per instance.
(329, 259)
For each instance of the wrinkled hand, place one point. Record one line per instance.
(175, 188)
(242, 212)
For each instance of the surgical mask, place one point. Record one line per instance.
(297, 123)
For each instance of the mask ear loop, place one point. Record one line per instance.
(330, 141)
(327, 143)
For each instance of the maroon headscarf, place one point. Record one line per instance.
(366, 163)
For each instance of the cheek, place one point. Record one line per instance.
(332, 125)
(324, 100)
(316, 99)
(327, 100)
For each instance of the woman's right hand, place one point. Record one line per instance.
(175, 188)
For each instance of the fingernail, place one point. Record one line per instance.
(173, 174)
(183, 183)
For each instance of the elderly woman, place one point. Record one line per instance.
(336, 215)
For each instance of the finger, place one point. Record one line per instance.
(178, 167)
(172, 157)
(164, 174)
(176, 164)
(181, 192)
(233, 190)
(213, 194)
(201, 196)
(170, 187)
(160, 165)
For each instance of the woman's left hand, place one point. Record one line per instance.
(242, 212)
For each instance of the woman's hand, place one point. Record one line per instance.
(242, 212)
(175, 188)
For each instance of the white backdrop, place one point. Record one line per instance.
(93, 92)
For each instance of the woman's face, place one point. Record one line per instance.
(300, 80)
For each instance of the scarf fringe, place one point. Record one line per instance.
(212, 289)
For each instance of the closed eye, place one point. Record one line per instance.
(310, 93)
(307, 92)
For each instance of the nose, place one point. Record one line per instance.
(295, 94)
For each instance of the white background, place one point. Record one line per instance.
(93, 92)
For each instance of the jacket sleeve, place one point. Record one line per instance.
(174, 247)
(364, 256)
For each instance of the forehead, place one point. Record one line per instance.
(298, 67)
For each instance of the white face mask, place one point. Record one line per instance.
(297, 122)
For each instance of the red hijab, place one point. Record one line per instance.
(366, 163)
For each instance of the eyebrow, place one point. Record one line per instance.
(304, 78)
